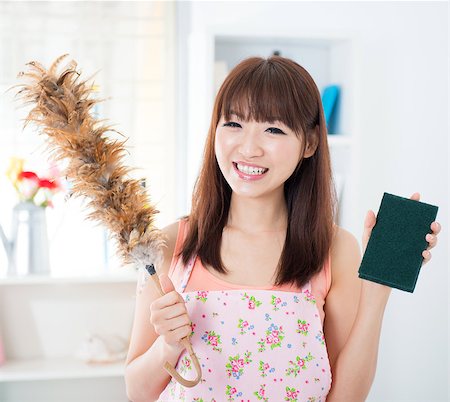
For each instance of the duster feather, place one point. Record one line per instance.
(61, 108)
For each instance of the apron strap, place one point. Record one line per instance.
(186, 274)
(179, 273)
(307, 286)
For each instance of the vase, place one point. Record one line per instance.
(29, 240)
(2, 351)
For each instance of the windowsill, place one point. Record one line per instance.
(126, 276)
(57, 369)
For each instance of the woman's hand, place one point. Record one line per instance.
(431, 238)
(169, 316)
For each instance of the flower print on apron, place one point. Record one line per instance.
(253, 345)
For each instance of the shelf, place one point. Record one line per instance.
(335, 140)
(57, 369)
(124, 277)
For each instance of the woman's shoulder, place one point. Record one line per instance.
(342, 237)
(171, 232)
(345, 253)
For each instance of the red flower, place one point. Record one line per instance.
(28, 175)
(44, 183)
(32, 188)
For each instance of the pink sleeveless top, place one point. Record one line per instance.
(253, 343)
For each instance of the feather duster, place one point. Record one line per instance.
(61, 108)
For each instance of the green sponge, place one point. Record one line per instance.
(393, 256)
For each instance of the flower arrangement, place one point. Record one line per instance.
(32, 188)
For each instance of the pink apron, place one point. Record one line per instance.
(253, 345)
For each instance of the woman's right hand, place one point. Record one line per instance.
(169, 316)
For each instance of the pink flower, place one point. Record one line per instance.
(301, 362)
(266, 366)
(269, 339)
(251, 305)
(233, 391)
(245, 324)
(274, 336)
(277, 300)
(308, 294)
(212, 340)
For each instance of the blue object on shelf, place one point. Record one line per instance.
(330, 97)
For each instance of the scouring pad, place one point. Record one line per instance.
(393, 256)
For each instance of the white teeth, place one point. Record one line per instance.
(250, 169)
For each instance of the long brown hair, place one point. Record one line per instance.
(270, 89)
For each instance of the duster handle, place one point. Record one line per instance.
(184, 341)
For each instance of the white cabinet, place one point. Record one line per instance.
(45, 320)
(330, 59)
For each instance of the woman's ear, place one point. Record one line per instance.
(312, 141)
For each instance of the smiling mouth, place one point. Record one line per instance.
(250, 170)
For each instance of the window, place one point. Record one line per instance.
(131, 46)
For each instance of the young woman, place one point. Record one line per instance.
(258, 274)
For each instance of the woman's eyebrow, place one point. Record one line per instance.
(277, 121)
(272, 120)
(238, 115)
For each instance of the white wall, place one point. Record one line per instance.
(402, 123)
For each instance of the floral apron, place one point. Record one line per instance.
(253, 345)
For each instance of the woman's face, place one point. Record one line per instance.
(256, 158)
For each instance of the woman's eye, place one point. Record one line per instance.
(231, 124)
(274, 130)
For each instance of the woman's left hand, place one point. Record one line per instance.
(431, 238)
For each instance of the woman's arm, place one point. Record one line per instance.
(354, 310)
(353, 315)
(145, 377)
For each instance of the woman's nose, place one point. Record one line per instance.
(250, 145)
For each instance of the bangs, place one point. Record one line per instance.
(264, 92)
